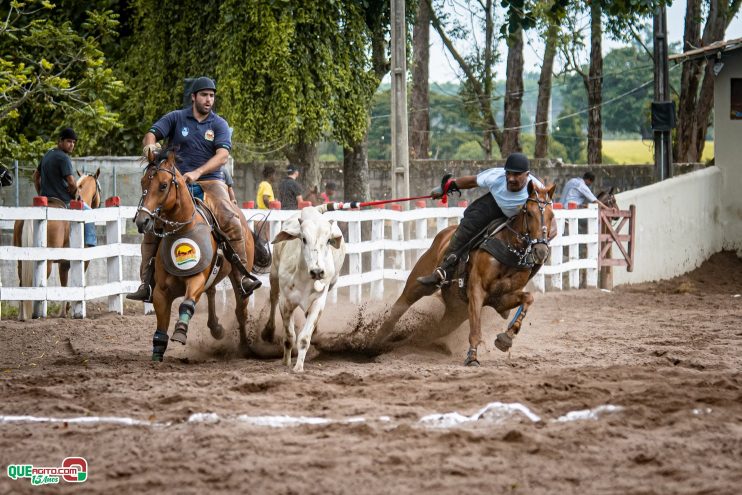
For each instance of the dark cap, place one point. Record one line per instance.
(201, 84)
(68, 133)
(516, 162)
(331, 186)
(291, 169)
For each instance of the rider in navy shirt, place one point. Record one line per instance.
(202, 142)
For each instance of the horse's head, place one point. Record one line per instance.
(160, 184)
(537, 214)
(608, 198)
(88, 188)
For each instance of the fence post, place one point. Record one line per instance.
(557, 256)
(40, 308)
(398, 235)
(77, 267)
(421, 232)
(354, 260)
(377, 259)
(115, 263)
(591, 278)
(574, 253)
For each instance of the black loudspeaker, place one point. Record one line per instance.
(663, 115)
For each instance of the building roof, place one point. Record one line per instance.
(707, 51)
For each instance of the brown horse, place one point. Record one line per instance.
(487, 281)
(57, 236)
(608, 198)
(167, 210)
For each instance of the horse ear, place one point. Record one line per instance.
(551, 190)
(530, 187)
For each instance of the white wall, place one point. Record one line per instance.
(678, 226)
(728, 151)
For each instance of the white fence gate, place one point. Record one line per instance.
(382, 246)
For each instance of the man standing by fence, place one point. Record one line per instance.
(289, 190)
(265, 189)
(577, 190)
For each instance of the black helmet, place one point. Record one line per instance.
(202, 83)
(516, 162)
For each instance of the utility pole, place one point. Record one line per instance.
(663, 109)
(400, 147)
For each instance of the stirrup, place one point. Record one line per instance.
(438, 277)
(248, 286)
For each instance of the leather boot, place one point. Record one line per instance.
(441, 273)
(236, 256)
(146, 270)
(144, 292)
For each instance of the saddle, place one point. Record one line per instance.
(190, 252)
(499, 250)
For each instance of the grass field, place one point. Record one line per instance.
(633, 152)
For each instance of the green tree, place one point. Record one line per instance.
(53, 74)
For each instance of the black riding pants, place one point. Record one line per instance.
(476, 217)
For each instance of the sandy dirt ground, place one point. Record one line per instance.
(659, 366)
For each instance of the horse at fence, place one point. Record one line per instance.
(57, 236)
(608, 198)
(498, 267)
(189, 259)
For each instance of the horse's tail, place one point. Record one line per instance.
(26, 269)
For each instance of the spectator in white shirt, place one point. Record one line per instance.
(578, 191)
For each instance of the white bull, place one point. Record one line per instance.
(308, 254)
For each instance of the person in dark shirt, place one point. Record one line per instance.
(290, 191)
(54, 178)
(204, 142)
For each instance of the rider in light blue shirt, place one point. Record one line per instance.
(508, 191)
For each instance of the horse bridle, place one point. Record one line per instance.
(155, 215)
(525, 236)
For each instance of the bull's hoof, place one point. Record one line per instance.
(217, 331)
(179, 335)
(503, 342)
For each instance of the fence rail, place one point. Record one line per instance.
(382, 245)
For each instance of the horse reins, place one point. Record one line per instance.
(176, 226)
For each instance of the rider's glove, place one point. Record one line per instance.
(151, 148)
(448, 185)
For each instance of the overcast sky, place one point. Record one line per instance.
(441, 63)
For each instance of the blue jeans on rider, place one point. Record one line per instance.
(91, 239)
(196, 191)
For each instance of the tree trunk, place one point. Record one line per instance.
(544, 92)
(306, 155)
(355, 171)
(420, 114)
(689, 82)
(594, 86)
(513, 94)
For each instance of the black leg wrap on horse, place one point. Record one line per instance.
(186, 310)
(159, 345)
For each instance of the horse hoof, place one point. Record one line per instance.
(157, 357)
(472, 362)
(503, 342)
(217, 332)
(179, 335)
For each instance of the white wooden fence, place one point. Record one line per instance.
(382, 246)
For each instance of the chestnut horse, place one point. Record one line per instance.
(607, 198)
(488, 282)
(167, 209)
(57, 236)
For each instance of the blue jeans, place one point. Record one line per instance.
(90, 237)
(196, 191)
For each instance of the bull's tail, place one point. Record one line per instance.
(26, 269)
